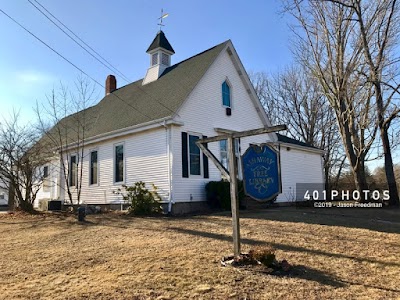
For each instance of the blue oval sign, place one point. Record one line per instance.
(261, 172)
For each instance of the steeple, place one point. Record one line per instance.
(160, 52)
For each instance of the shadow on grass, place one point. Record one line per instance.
(376, 219)
(310, 274)
(280, 246)
(300, 271)
(107, 220)
(307, 273)
(66, 220)
(371, 286)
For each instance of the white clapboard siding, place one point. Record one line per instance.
(50, 192)
(145, 156)
(3, 195)
(298, 167)
(202, 113)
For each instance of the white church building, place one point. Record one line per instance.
(146, 131)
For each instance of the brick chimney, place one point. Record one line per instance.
(111, 84)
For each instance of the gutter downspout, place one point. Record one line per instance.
(168, 142)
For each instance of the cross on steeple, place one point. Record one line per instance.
(163, 16)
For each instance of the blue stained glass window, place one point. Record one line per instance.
(226, 94)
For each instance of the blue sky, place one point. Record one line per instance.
(121, 31)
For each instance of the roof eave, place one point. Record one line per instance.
(303, 148)
(163, 122)
(249, 87)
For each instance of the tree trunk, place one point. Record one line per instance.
(327, 168)
(376, 70)
(327, 180)
(360, 180)
(389, 171)
(390, 178)
(11, 198)
(357, 162)
(26, 206)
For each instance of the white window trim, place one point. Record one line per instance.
(220, 153)
(123, 164)
(238, 155)
(90, 166)
(200, 136)
(46, 187)
(230, 92)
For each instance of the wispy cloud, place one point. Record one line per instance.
(32, 76)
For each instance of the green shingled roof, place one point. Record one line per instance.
(135, 104)
(160, 41)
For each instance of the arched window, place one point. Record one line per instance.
(226, 94)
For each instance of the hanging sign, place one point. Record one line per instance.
(261, 172)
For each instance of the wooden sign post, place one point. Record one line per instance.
(234, 195)
(233, 173)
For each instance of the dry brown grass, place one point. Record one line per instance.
(337, 254)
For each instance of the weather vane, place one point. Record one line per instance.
(163, 16)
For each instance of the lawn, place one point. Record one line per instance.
(335, 253)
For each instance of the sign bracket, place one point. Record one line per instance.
(233, 173)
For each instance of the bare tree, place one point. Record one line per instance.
(64, 121)
(328, 45)
(378, 28)
(295, 98)
(20, 162)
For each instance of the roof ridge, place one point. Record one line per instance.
(153, 101)
(199, 54)
(174, 65)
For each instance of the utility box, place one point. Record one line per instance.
(54, 205)
(81, 214)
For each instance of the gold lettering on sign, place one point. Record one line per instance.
(261, 177)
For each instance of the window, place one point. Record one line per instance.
(46, 183)
(2, 197)
(194, 156)
(73, 171)
(119, 163)
(223, 146)
(165, 59)
(93, 167)
(154, 59)
(226, 94)
(193, 161)
(45, 171)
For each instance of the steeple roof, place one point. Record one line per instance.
(160, 41)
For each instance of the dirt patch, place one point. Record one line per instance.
(335, 255)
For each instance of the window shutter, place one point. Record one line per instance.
(185, 162)
(205, 162)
